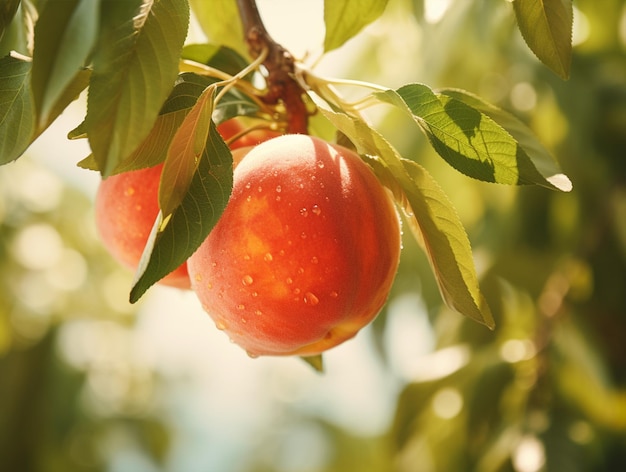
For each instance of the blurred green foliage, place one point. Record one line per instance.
(545, 391)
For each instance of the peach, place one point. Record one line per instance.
(305, 252)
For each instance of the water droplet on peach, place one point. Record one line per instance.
(314, 260)
(334, 294)
(258, 312)
(296, 291)
(311, 299)
(303, 235)
(279, 189)
(255, 294)
(259, 189)
(247, 280)
(241, 306)
(316, 210)
(304, 212)
(288, 280)
(198, 277)
(129, 191)
(301, 270)
(268, 257)
(320, 164)
(252, 355)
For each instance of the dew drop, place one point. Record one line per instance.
(301, 270)
(220, 325)
(209, 286)
(279, 189)
(268, 257)
(244, 321)
(303, 235)
(301, 185)
(288, 280)
(281, 252)
(311, 299)
(246, 257)
(321, 184)
(317, 211)
(255, 294)
(334, 294)
(129, 191)
(249, 198)
(314, 260)
(252, 355)
(248, 185)
(296, 291)
(278, 198)
(213, 264)
(247, 280)
(198, 277)
(304, 212)
(313, 177)
(320, 164)
(258, 312)
(259, 189)
(241, 306)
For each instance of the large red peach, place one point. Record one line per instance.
(305, 252)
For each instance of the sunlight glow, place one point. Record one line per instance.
(516, 350)
(434, 10)
(447, 403)
(530, 455)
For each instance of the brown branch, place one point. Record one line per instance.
(281, 82)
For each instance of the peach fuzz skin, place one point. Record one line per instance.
(305, 252)
(127, 205)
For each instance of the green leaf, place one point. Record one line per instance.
(184, 153)
(220, 22)
(345, 19)
(220, 57)
(430, 214)
(18, 35)
(546, 26)
(317, 362)
(469, 140)
(17, 119)
(176, 238)
(8, 8)
(134, 69)
(65, 34)
(77, 84)
(539, 156)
